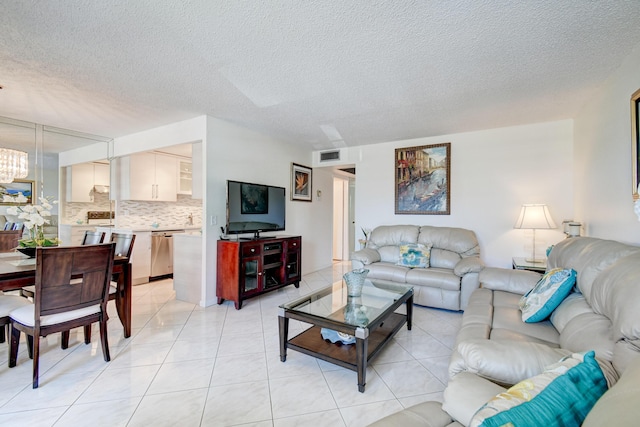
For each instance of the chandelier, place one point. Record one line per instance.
(13, 164)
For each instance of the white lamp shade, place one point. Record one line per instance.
(534, 217)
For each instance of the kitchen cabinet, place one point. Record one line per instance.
(196, 170)
(141, 255)
(83, 178)
(72, 235)
(149, 176)
(185, 175)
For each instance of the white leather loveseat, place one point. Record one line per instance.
(495, 348)
(452, 271)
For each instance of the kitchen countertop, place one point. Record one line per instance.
(196, 233)
(160, 228)
(85, 225)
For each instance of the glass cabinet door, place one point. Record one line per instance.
(251, 275)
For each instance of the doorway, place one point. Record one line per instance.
(343, 217)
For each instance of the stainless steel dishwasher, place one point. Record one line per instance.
(162, 253)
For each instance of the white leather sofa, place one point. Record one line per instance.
(452, 274)
(494, 348)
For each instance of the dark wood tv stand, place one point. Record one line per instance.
(246, 268)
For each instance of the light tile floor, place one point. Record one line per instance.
(191, 366)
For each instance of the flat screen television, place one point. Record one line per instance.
(254, 208)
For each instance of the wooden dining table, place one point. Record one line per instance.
(17, 270)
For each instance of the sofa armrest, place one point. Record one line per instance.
(425, 414)
(466, 265)
(503, 361)
(465, 394)
(515, 281)
(365, 256)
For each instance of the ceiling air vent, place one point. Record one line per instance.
(327, 156)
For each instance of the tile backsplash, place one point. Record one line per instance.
(139, 214)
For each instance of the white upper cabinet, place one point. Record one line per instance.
(149, 176)
(82, 179)
(184, 177)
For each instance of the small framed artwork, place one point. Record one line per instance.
(635, 143)
(301, 184)
(423, 180)
(254, 199)
(17, 186)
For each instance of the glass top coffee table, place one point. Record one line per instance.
(370, 318)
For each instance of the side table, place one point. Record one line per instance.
(522, 264)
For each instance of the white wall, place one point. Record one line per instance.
(232, 152)
(602, 173)
(239, 154)
(493, 172)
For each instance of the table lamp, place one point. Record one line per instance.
(534, 217)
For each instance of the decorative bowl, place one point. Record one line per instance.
(28, 251)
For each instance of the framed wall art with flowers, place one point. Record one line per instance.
(13, 188)
(635, 145)
(301, 177)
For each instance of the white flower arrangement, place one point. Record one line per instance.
(34, 217)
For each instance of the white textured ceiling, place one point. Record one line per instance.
(321, 73)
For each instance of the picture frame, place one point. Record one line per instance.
(254, 199)
(301, 183)
(423, 180)
(635, 143)
(23, 186)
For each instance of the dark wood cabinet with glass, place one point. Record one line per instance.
(246, 268)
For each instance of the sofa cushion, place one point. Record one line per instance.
(589, 257)
(393, 235)
(552, 288)
(387, 271)
(442, 258)
(589, 331)
(465, 394)
(515, 281)
(414, 255)
(433, 277)
(366, 256)
(562, 395)
(572, 306)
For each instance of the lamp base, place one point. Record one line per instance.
(536, 260)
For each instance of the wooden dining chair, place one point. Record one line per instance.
(124, 248)
(93, 237)
(8, 303)
(60, 303)
(90, 238)
(9, 240)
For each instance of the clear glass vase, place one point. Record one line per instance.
(354, 280)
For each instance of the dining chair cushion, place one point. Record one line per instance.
(30, 288)
(26, 315)
(8, 303)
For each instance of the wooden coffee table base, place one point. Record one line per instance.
(369, 341)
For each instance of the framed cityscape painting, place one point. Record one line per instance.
(423, 180)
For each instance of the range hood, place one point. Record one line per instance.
(102, 189)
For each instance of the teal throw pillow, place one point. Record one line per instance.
(561, 396)
(552, 288)
(414, 255)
